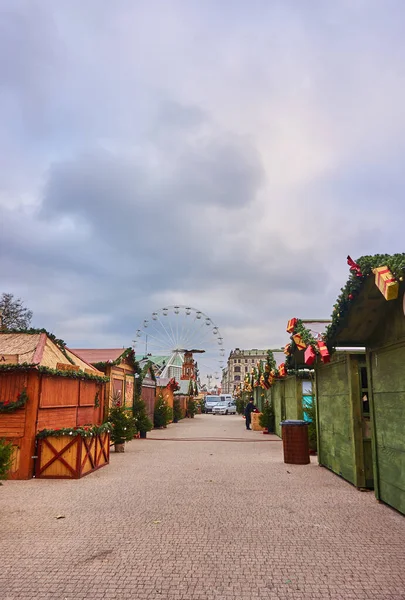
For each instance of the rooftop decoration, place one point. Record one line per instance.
(302, 338)
(173, 385)
(388, 271)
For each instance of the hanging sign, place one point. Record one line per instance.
(8, 359)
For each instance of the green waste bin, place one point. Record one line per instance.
(295, 442)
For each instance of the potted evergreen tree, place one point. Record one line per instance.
(176, 410)
(191, 407)
(142, 421)
(266, 418)
(6, 457)
(123, 425)
(163, 412)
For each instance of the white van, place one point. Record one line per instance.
(210, 402)
(226, 398)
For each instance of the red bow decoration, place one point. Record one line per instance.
(354, 267)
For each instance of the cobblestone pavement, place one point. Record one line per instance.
(199, 520)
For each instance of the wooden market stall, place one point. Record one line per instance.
(165, 386)
(119, 365)
(182, 395)
(46, 386)
(342, 424)
(168, 387)
(370, 312)
(288, 394)
(305, 349)
(148, 388)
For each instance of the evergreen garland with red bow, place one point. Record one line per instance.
(9, 406)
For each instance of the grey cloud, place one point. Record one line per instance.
(158, 136)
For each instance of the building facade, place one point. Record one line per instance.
(239, 363)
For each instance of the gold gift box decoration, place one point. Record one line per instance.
(299, 342)
(386, 283)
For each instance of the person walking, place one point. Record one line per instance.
(250, 407)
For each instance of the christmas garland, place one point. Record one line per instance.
(305, 333)
(148, 367)
(58, 342)
(129, 352)
(308, 339)
(263, 375)
(9, 407)
(82, 430)
(141, 376)
(361, 269)
(73, 375)
(26, 367)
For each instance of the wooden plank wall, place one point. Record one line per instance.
(19, 427)
(12, 425)
(277, 396)
(68, 403)
(293, 398)
(148, 396)
(129, 391)
(11, 385)
(335, 423)
(388, 393)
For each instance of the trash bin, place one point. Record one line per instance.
(295, 442)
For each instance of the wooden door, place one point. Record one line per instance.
(386, 371)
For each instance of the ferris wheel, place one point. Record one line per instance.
(168, 332)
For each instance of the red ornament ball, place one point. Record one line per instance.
(350, 296)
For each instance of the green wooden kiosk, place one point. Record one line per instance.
(343, 417)
(299, 385)
(370, 312)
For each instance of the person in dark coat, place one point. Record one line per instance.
(250, 407)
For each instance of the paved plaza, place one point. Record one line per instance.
(203, 510)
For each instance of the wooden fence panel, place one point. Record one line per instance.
(88, 455)
(71, 457)
(103, 450)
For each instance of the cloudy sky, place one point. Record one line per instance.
(226, 155)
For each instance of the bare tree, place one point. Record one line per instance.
(13, 314)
